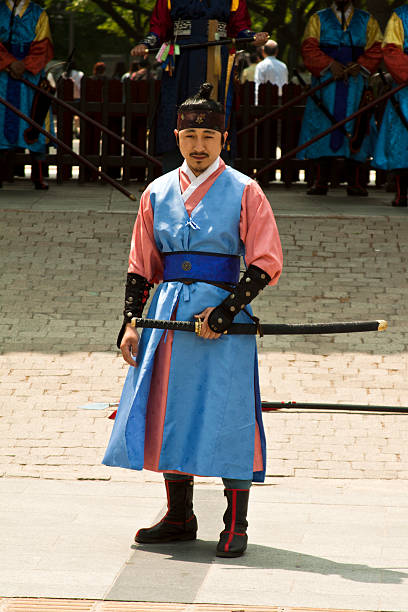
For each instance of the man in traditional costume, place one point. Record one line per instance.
(335, 38)
(191, 403)
(185, 22)
(391, 152)
(25, 49)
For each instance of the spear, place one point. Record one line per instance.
(66, 148)
(96, 124)
(339, 124)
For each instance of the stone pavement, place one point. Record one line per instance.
(314, 543)
(339, 535)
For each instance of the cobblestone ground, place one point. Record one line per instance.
(62, 279)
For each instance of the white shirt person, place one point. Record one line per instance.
(270, 70)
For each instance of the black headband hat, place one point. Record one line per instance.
(200, 111)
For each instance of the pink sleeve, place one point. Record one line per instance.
(259, 233)
(144, 256)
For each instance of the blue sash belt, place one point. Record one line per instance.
(191, 266)
(344, 55)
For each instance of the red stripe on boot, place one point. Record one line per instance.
(233, 519)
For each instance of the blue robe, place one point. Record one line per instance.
(213, 398)
(340, 98)
(24, 31)
(391, 151)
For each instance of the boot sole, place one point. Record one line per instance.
(229, 554)
(180, 538)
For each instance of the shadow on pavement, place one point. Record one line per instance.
(265, 557)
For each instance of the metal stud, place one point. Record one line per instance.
(219, 320)
(248, 293)
(134, 281)
(130, 299)
(263, 276)
(129, 315)
(247, 280)
(232, 308)
(232, 295)
(242, 306)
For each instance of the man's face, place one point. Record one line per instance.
(200, 147)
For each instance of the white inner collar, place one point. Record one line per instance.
(19, 7)
(347, 12)
(196, 181)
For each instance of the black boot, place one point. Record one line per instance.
(355, 180)
(179, 522)
(322, 168)
(234, 540)
(37, 174)
(401, 183)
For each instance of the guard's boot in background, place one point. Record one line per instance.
(233, 540)
(179, 522)
(37, 175)
(7, 158)
(322, 168)
(355, 179)
(401, 183)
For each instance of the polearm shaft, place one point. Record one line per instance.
(280, 160)
(269, 329)
(204, 45)
(93, 122)
(289, 104)
(66, 148)
(269, 406)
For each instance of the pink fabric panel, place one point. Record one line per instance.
(144, 257)
(156, 405)
(258, 459)
(184, 181)
(259, 232)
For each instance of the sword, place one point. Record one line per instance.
(268, 329)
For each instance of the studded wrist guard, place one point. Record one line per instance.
(253, 281)
(136, 295)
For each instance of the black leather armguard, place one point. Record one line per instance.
(253, 281)
(137, 292)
